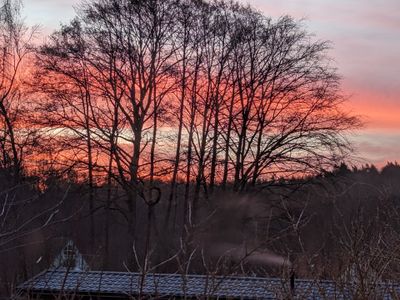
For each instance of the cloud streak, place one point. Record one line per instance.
(377, 146)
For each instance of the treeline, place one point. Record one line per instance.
(353, 231)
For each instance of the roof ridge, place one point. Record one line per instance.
(253, 278)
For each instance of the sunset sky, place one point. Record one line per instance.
(365, 37)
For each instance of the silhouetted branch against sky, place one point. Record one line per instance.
(364, 48)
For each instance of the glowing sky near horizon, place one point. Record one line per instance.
(365, 37)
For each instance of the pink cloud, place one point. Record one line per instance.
(376, 146)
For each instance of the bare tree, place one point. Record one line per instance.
(209, 93)
(15, 42)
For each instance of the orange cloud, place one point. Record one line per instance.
(377, 111)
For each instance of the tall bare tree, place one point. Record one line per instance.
(214, 93)
(15, 43)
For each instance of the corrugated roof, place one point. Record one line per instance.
(124, 283)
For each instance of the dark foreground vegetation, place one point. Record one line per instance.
(184, 136)
(342, 225)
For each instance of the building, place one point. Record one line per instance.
(69, 278)
(53, 283)
(60, 284)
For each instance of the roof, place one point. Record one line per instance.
(124, 283)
